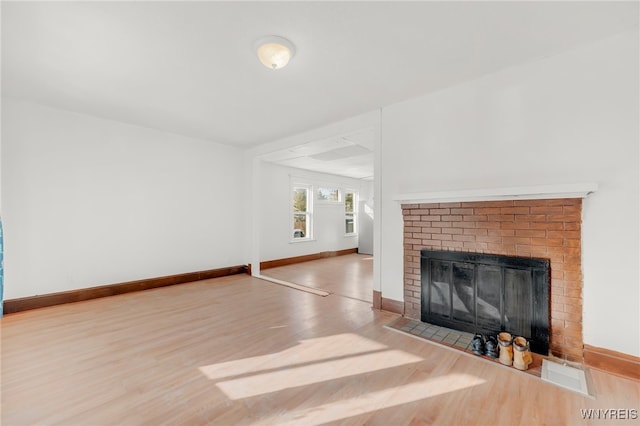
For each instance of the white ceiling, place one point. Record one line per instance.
(189, 68)
(348, 155)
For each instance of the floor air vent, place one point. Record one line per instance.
(567, 377)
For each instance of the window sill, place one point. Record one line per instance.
(302, 240)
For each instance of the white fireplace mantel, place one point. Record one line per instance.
(572, 190)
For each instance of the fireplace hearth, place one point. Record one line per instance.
(487, 294)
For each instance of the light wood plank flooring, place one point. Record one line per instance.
(349, 275)
(239, 350)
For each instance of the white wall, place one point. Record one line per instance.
(89, 201)
(366, 221)
(564, 119)
(328, 221)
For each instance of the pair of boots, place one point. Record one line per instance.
(488, 347)
(514, 351)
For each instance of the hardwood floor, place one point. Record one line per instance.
(349, 275)
(238, 350)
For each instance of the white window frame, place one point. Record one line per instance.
(309, 213)
(354, 213)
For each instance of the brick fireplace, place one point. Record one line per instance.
(543, 228)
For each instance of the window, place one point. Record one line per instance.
(330, 195)
(350, 212)
(301, 204)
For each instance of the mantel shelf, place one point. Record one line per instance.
(574, 190)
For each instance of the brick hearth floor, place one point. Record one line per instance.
(454, 339)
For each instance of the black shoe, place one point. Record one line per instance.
(491, 347)
(477, 344)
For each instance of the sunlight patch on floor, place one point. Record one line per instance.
(377, 400)
(317, 372)
(305, 352)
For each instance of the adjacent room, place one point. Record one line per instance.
(304, 213)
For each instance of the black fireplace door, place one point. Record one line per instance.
(487, 294)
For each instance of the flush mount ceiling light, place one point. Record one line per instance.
(275, 52)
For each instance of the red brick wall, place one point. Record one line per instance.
(548, 229)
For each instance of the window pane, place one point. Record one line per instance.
(328, 194)
(348, 202)
(349, 224)
(299, 225)
(350, 199)
(300, 199)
